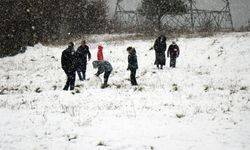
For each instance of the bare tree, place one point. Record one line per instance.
(156, 9)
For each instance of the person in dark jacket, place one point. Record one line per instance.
(132, 64)
(68, 62)
(173, 52)
(160, 48)
(82, 53)
(103, 66)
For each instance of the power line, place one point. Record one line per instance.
(193, 19)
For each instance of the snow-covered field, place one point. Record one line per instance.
(203, 104)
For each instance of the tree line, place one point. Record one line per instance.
(27, 22)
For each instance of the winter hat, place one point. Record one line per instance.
(132, 51)
(100, 47)
(95, 63)
(71, 44)
(129, 48)
(162, 38)
(83, 42)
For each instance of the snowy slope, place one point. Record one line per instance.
(202, 104)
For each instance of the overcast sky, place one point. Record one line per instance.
(240, 9)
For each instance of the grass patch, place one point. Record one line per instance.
(243, 88)
(180, 116)
(101, 143)
(206, 88)
(38, 90)
(175, 87)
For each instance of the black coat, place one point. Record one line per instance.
(160, 47)
(173, 51)
(82, 53)
(132, 60)
(68, 60)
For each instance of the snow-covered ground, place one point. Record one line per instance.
(203, 104)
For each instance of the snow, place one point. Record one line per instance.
(204, 103)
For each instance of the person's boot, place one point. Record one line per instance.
(136, 82)
(66, 88)
(83, 76)
(105, 84)
(80, 75)
(133, 82)
(72, 88)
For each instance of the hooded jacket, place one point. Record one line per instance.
(132, 60)
(102, 65)
(82, 53)
(99, 53)
(160, 44)
(160, 48)
(68, 60)
(173, 51)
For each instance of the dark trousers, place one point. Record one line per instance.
(132, 76)
(81, 72)
(106, 77)
(71, 76)
(172, 62)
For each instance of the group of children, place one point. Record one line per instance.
(76, 61)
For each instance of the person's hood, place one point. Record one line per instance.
(133, 52)
(71, 45)
(100, 48)
(162, 38)
(96, 63)
(70, 49)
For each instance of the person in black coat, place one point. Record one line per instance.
(160, 48)
(82, 53)
(68, 62)
(132, 64)
(173, 52)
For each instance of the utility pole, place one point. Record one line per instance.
(125, 19)
(194, 19)
(229, 13)
(191, 15)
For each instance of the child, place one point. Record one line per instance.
(103, 66)
(132, 64)
(82, 53)
(173, 52)
(99, 53)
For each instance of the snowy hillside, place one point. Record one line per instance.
(203, 104)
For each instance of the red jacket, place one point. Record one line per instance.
(99, 53)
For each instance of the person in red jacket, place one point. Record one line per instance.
(99, 53)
